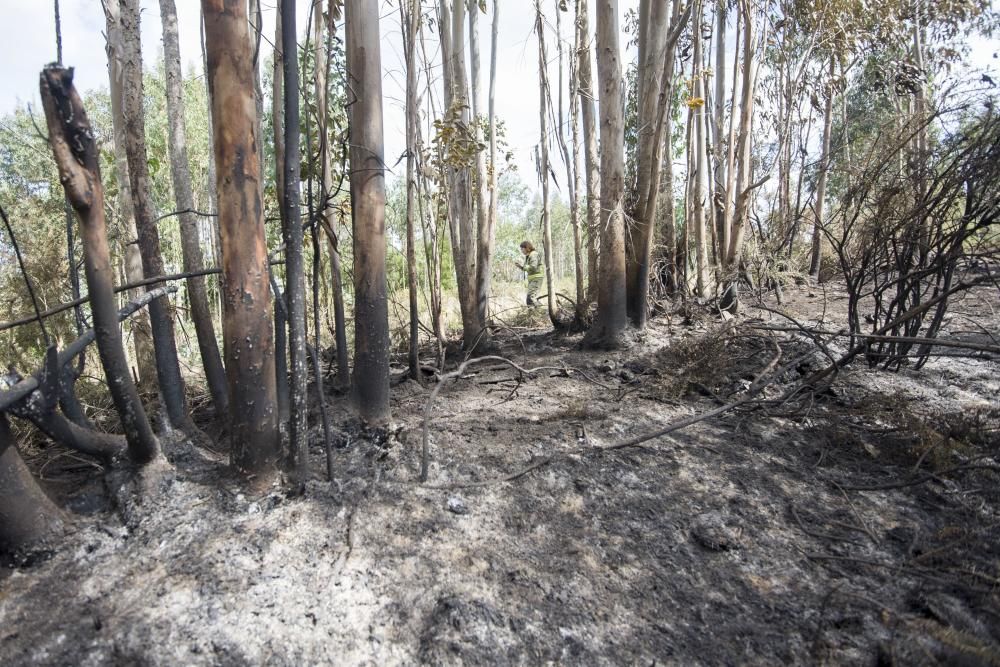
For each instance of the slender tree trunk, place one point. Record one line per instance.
(295, 295)
(460, 222)
(699, 175)
(328, 215)
(215, 374)
(484, 230)
(141, 335)
(278, 137)
(824, 168)
(161, 318)
(543, 166)
(371, 315)
(611, 319)
(585, 89)
(410, 17)
(77, 158)
(484, 265)
(246, 325)
(575, 177)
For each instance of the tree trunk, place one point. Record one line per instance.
(77, 158)
(700, 172)
(575, 177)
(611, 319)
(543, 166)
(141, 335)
(484, 265)
(295, 290)
(28, 515)
(278, 137)
(215, 374)
(585, 89)
(328, 218)
(484, 231)
(460, 223)
(168, 370)
(410, 17)
(371, 315)
(246, 323)
(824, 168)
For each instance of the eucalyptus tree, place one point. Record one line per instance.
(246, 324)
(367, 169)
(215, 374)
(295, 291)
(410, 19)
(657, 39)
(77, 157)
(141, 336)
(588, 118)
(611, 319)
(161, 319)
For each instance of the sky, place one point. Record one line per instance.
(32, 45)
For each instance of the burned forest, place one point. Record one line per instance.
(461, 332)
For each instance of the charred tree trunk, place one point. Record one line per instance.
(246, 323)
(371, 315)
(77, 158)
(215, 374)
(295, 290)
(278, 136)
(611, 319)
(161, 319)
(27, 515)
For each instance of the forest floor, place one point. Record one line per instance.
(857, 525)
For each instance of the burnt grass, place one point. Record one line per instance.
(858, 524)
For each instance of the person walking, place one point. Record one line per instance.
(534, 271)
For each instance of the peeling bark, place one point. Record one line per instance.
(246, 323)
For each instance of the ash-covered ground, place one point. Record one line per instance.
(854, 525)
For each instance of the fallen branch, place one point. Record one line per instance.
(755, 388)
(915, 340)
(23, 388)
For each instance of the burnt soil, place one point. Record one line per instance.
(854, 525)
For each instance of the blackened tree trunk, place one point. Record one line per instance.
(79, 170)
(371, 313)
(168, 371)
(28, 516)
(215, 374)
(295, 289)
(611, 320)
(246, 322)
(278, 136)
